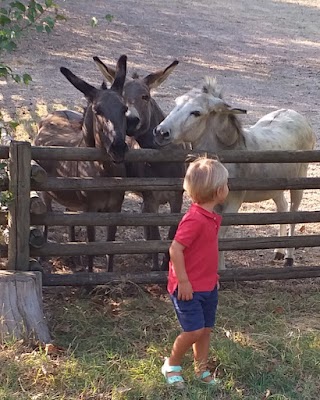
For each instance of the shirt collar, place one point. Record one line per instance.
(201, 210)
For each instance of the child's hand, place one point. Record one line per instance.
(185, 291)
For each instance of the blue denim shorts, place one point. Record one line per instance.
(198, 313)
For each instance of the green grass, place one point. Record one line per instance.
(266, 346)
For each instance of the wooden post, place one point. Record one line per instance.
(19, 207)
(21, 311)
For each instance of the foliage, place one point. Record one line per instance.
(16, 18)
(94, 20)
(111, 346)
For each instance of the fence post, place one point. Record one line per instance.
(19, 207)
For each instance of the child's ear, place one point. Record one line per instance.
(219, 191)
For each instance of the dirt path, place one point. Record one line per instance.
(266, 55)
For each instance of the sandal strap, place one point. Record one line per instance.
(173, 368)
(174, 379)
(205, 375)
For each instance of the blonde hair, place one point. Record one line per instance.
(204, 176)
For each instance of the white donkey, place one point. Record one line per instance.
(202, 118)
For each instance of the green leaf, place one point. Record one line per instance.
(48, 3)
(40, 8)
(13, 124)
(16, 78)
(109, 17)
(26, 78)
(10, 46)
(20, 6)
(47, 28)
(4, 20)
(60, 17)
(50, 21)
(4, 71)
(94, 22)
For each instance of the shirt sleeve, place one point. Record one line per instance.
(188, 230)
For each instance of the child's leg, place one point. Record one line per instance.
(202, 345)
(182, 344)
(201, 353)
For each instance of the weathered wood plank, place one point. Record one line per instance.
(146, 219)
(175, 184)
(160, 277)
(19, 207)
(161, 246)
(169, 155)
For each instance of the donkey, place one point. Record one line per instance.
(137, 95)
(204, 119)
(104, 126)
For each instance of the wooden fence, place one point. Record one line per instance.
(25, 178)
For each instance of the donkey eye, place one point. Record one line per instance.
(195, 113)
(145, 97)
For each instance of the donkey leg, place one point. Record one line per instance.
(151, 205)
(282, 206)
(48, 202)
(91, 236)
(112, 230)
(231, 205)
(296, 197)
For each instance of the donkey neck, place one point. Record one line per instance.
(87, 128)
(221, 133)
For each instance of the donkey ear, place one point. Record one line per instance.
(155, 79)
(108, 72)
(84, 87)
(120, 76)
(238, 111)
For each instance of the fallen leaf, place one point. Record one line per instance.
(268, 393)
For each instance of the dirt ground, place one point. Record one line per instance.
(265, 54)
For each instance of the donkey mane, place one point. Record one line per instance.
(135, 75)
(210, 86)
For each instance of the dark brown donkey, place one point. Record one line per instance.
(137, 95)
(104, 126)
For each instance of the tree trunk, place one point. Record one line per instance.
(21, 313)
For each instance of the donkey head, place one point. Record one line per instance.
(137, 95)
(105, 117)
(197, 112)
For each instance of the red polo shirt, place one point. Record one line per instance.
(198, 232)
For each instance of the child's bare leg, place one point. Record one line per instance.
(181, 345)
(201, 353)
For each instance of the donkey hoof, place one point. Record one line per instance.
(288, 262)
(278, 256)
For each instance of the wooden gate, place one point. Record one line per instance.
(25, 178)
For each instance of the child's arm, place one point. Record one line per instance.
(185, 291)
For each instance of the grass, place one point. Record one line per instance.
(111, 345)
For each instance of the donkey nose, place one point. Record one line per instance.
(159, 131)
(132, 123)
